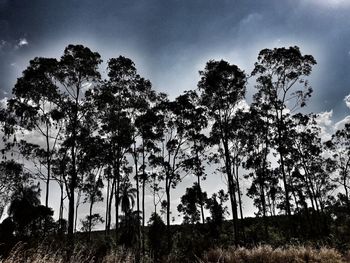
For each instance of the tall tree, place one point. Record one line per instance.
(222, 87)
(78, 70)
(197, 142)
(111, 100)
(169, 160)
(339, 146)
(36, 107)
(281, 75)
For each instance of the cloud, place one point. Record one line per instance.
(3, 43)
(324, 118)
(3, 103)
(22, 42)
(347, 100)
(324, 121)
(332, 3)
(341, 124)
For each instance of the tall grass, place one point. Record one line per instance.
(266, 254)
(260, 254)
(81, 254)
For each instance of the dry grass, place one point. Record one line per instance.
(44, 254)
(260, 254)
(266, 254)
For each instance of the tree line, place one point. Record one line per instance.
(115, 138)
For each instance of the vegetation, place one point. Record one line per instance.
(116, 140)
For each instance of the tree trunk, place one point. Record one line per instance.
(143, 196)
(201, 201)
(74, 174)
(76, 211)
(110, 205)
(167, 192)
(107, 207)
(240, 202)
(48, 160)
(117, 197)
(231, 188)
(90, 219)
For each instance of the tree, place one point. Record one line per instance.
(279, 72)
(111, 102)
(78, 68)
(127, 197)
(90, 222)
(12, 177)
(339, 146)
(190, 201)
(258, 140)
(150, 133)
(222, 88)
(156, 233)
(170, 159)
(36, 108)
(92, 189)
(197, 142)
(217, 210)
(25, 210)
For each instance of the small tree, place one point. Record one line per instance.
(218, 211)
(156, 234)
(190, 202)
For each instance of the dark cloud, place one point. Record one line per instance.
(171, 40)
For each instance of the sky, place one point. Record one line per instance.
(171, 40)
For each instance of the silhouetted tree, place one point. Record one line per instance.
(279, 72)
(190, 201)
(195, 123)
(339, 146)
(26, 212)
(36, 105)
(222, 88)
(169, 160)
(156, 235)
(78, 69)
(111, 102)
(218, 211)
(12, 178)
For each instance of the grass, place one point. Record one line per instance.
(266, 254)
(259, 254)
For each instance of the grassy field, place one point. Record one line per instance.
(259, 254)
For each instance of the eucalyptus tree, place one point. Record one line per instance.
(36, 106)
(92, 165)
(197, 141)
(150, 134)
(190, 201)
(281, 76)
(139, 98)
(307, 149)
(169, 161)
(222, 88)
(77, 71)
(258, 141)
(339, 146)
(111, 102)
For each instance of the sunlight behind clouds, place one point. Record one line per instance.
(347, 101)
(332, 3)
